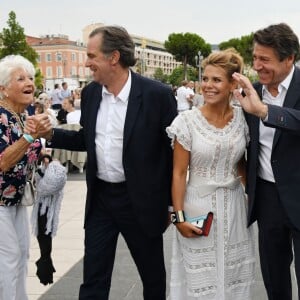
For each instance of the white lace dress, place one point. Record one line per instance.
(222, 265)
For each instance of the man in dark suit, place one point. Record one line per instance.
(129, 164)
(273, 175)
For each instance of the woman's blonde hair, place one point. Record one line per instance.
(229, 60)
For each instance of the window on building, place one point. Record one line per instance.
(48, 57)
(73, 71)
(49, 72)
(59, 71)
(58, 56)
(80, 71)
(80, 58)
(39, 58)
(73, 58)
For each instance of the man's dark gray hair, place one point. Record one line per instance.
(281, 38)
(116, 38)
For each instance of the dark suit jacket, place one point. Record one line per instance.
(147, 154)
(285, 151)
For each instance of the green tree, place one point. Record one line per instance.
(13, 41)
(185, 47)
(159, 75)
(178, 75)
(243, 45)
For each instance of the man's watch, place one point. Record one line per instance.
(177, 217)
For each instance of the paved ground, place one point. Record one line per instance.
(68, 251)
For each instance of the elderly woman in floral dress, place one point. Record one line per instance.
(18, 153)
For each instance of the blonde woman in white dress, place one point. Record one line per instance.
(210, 143)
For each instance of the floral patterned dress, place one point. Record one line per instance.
(222, 265)
(12, 182)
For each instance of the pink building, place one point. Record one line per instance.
(60, 59)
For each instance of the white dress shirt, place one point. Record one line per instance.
(73, 117)
(266, 134)
(110, 132)
(182, 99)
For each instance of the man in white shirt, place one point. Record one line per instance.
(184, 96)
(273, 172)
(129, 164)
(56, 97)
(65, 92)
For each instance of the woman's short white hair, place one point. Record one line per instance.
(11, 63)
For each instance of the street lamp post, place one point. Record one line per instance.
(198, 59)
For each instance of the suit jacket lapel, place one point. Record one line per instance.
(255, 121)
(134, 103)
(95, 108)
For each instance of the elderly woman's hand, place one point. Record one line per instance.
(38, 125)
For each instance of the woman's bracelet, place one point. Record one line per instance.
(29, 138)
(177, 217)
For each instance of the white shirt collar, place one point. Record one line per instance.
(124, 93)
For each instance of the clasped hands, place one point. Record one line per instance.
(38, 126)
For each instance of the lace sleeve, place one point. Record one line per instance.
(179, 130)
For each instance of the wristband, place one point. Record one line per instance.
(177, 216)
(29, 138)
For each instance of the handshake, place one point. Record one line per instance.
(38, 126)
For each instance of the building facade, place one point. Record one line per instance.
(60, 59)
(151, 54)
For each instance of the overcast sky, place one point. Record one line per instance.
(215, 21)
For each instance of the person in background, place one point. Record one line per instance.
(191, 90)
(56, 97)
(198, 99)
(73, 117)
(67, 107)
(30, 109)
(19, 152)
(210, 142)
(65, 92)
(77, 94)
(44, 99)
(128, 180)
(39, 108)
(184, 98)
(50, 180)
(50, 112)
(273, 179)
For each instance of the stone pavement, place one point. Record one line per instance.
(67, 256)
